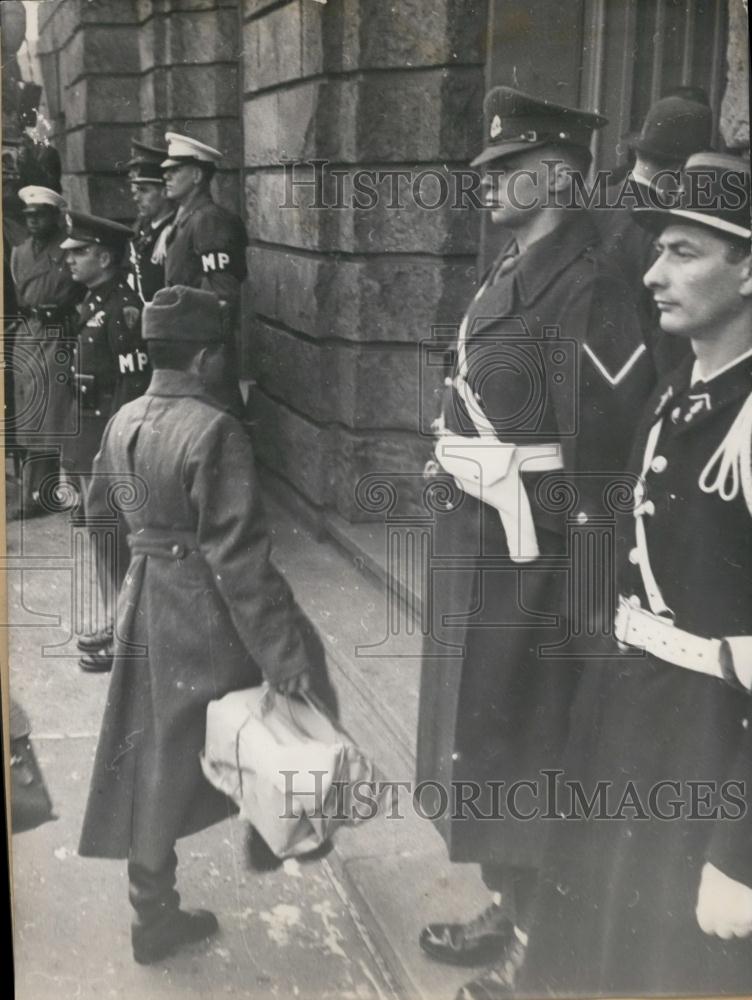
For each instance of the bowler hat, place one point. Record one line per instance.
(513, 121)
(182, 313)
(714, 193)
(673, 129)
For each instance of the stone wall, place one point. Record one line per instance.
(118, 69)
(339, 298)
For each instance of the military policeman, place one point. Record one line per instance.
(206, 246)
(47, 296)
(550, 371)
(111, 367)
(658, 898)
(203, 607)
(156, 213)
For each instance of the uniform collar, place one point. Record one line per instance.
(542, 263)
(731, 383)
(697, 377)
(197, 200)
(100, 294)
(169, 382)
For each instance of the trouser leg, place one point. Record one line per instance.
(517, 888)
(151, 891)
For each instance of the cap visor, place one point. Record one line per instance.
(72, 244)
(500, 152)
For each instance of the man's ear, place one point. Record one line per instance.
(559, 176)
(745, 288)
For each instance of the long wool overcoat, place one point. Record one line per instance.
(492, 707)
(202, 612)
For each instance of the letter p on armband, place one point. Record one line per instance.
(215, 261)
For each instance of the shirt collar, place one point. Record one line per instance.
(697, 377)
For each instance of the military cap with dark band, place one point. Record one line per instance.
(84, 230)
(184, 314)
(714, 193)
(145, 163)
(513, 121)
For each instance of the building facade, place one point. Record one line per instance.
(369, 98)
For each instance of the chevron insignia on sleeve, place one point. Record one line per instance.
(625, 369)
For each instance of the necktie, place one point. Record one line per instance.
(507, 263)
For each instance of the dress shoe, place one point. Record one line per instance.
(478, 941)
(98, 661)
(156, 941)
(95, 640)
(498, 981)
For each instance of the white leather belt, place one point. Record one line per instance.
(634, 626)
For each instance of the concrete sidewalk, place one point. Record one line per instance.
(346, 925)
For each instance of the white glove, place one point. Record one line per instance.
(724, 907)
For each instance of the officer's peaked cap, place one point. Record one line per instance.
(183, 149)
(514, 121)
(86, 229)
(35, 196)
(714, 193)
(145, 163)
(184, 314)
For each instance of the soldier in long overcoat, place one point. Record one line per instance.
(46, 296)
(551, 360)
(202, 612)
(648, 889)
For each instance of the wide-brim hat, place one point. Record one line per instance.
(514, 121)
(184, 149)
(674, 129)
(180, 313)
(714, 193)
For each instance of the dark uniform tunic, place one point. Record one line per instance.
(149, 270)
(617, 907)
(110, 367)
(46, 296)
(491, 708)
(206, 249)
(201, 597)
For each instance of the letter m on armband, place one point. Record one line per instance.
(215, 261)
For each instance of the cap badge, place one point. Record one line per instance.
(495, 129)
(68, 223)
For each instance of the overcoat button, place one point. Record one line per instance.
(634, 556)
(675, 413)
(649, 508)
(175, 550)
(582, 517)
(455, 756)
(659, 463)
